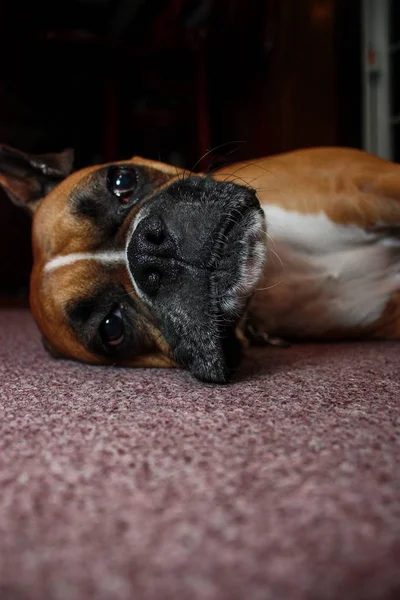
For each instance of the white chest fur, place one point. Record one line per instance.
(322, 276)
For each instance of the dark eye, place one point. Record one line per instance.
(121, 181)
(112, 328)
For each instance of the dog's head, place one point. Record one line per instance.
(137, 263)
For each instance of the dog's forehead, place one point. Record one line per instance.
(65, 265)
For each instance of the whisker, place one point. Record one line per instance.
(269, 287)
(213, 150)
(278, 257)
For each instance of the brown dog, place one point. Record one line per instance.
(138, 263)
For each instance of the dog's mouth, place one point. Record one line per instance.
(195, 255)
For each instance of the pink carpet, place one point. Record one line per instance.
(148, 485)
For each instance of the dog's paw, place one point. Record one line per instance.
(258, 337)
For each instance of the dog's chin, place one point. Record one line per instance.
(240, 267)
(214, 353)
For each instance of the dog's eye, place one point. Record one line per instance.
(121, 181)
(112, 328)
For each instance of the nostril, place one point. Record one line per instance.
(152, 237)
(154, 231)
(155, 236)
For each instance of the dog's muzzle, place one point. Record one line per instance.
(195, 255)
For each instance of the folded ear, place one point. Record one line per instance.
(28, 178)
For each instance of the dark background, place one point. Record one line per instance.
(170, 80)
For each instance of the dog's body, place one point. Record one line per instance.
(333, 269)
(181, 264)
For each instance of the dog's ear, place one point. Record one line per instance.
(28, 178)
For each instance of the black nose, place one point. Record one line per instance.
(150, 251)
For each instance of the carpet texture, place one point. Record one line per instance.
(146, 484)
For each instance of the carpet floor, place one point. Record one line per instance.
(119, 484)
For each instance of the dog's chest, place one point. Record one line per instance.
(321, 276)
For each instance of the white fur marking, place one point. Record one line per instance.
(313, 233)
(325, 275)
(69, 259)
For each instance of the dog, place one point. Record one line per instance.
(138, 263)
